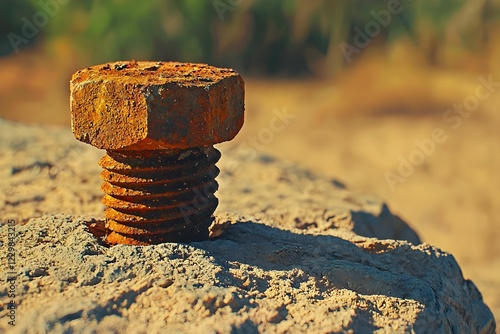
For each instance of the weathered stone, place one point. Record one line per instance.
(296, 253)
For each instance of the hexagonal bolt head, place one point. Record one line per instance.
(156, 105)
(147, 114)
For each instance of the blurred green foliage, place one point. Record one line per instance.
(11, 13)
(260, 36)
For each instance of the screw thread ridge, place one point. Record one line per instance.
(159, 195)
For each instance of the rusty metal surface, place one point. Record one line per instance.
(159, 202)
(158, 122)
(156, 105)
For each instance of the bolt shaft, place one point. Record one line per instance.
(159, 195)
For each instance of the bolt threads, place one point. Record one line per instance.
(159, 195)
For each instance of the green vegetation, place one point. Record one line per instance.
(261, 36)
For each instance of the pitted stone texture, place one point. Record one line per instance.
(156, 105)
(256, 278)
(301, 253)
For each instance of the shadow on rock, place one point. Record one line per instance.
(346, 265)
(367, 267)
(384, 226)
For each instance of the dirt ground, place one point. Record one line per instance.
(357, 128)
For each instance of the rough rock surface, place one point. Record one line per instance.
(296, 253)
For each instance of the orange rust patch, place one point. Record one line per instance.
(156, 105)
(158, 122)
(168, 203)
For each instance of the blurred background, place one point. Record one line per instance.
(355, 90)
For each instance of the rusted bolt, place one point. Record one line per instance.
(158, 122)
